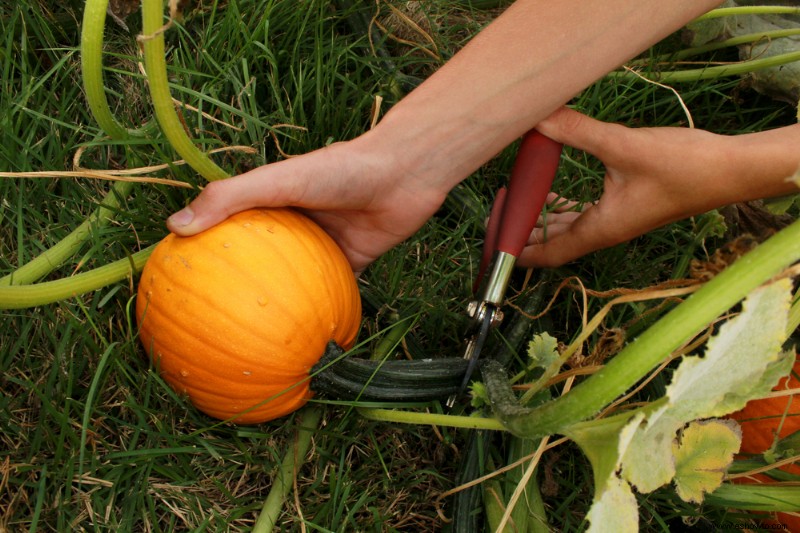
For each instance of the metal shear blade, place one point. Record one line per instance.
(475, 345)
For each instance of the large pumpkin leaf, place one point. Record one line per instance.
(782, 82)
(744, 361)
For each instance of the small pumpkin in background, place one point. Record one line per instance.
(236, 316)
(762, 421)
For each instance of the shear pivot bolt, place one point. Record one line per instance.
(497, 317)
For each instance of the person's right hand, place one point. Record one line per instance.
(366, 199)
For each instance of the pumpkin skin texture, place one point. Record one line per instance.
(236, 316)
(761, 421)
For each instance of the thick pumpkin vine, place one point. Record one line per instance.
(742, 362)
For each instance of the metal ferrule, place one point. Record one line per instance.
(494, 288)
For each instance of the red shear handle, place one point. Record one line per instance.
(531, 180)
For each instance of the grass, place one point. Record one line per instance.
(92, 439)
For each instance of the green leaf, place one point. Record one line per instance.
(543, 350)
(744, 361)
(604, 442)
(703, 455)
(478, 394)
(614, 509)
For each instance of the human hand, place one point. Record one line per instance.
(363, 196)
(654, 176)
(370, 198)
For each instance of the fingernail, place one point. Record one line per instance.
(182, 218)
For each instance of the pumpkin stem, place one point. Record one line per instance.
(348, 378)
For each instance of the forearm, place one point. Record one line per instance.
(759, 165)
(522, 67)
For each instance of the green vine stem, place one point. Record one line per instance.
(736, 69)
(17, 297)
(156, 67)
(282, 483)
(724, 70)
(433, 419)
(55, 256)
(94, 17)
(94, 20)
(715, 72)
(749, 10)
(717, 45)
(665, 336)
(21, 297)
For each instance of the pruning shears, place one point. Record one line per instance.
(513, 216)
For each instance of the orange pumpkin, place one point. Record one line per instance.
(761, 421)
(236, 316)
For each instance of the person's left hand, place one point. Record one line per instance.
(654, 176)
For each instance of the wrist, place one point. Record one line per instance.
(425, 150)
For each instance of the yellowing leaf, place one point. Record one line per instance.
(731, 371)
(703, 455)
(743, 361)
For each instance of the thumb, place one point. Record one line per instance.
(223, 198)
(580, 131)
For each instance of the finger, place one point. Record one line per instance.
(216, 202)
(541, 235)
(557, 203)
(558, 249)
(561, 243)
(575, 129)
(552, 220)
